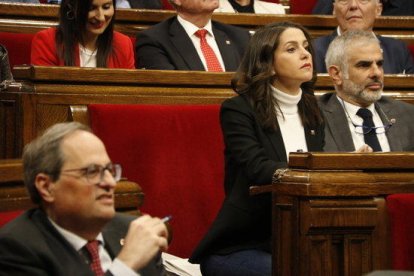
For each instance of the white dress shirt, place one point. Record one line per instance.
(358, 138)
(117, 267)
(190, 29)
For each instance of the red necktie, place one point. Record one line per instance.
(93, 249)
(213, 65)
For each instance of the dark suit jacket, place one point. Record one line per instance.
(390, 7)
(30, 245)
(5, 73)
(166, 46)
(397, 57)
(338, 135)
(145, 4)
(252, 154)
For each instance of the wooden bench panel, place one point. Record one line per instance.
(42, 96)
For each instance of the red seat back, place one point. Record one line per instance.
(302, 6)
(401, 214)
(175, 153)
(18, 45)
(166, 5)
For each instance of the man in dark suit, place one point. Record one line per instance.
(75, 230)
(174, 45)
(361, 15)
(355, 64)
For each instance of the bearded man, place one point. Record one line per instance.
(357, 115)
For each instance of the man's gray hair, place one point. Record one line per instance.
(337, 53)
(44, 155)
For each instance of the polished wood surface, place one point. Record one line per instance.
(43, 96)
(29, 18)
(330, 217)
(13, 194)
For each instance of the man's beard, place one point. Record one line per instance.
(358, 92)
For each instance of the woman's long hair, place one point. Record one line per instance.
(255, 76)
(73, 17)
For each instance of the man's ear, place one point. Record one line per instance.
(378, 10)
(336, 75)
(45, 187)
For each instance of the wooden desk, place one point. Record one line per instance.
(329, 212)
(28, 18)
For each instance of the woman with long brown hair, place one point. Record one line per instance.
(85, 37)
(275, 113)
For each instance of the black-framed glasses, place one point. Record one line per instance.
(95, 173)
(360, 129)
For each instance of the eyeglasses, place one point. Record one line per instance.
(95, 173)
(346, 2)
(365, 129)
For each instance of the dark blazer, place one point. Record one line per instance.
(167, 46)
(397, 57)
(30, 245)
(390, 7)
(5, 73)
(338, 135)
(145, 4)
(252, 154)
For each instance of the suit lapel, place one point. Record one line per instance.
(227, 50)
(394, 132)
(276, 140)
(184, 46)
(337, 123)
(62, 251)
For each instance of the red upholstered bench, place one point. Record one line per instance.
(18, 45)
(302, 6)
(401, 216)
(175, 153)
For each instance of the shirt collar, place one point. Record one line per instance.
(77, 242)
(190, 28)
(353, 109)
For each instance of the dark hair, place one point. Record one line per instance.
(44, 155)
(255, 75)
(73, 17)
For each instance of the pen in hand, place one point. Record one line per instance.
(166, 219)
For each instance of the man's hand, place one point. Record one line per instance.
(146, 237)
(364, 149)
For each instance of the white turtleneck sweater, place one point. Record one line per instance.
(291, 126)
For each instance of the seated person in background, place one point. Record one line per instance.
(182, 42)
(249, 6)
(69, 175)
(85, 37)
(390, 7)
(5, 72)
(139, 4)
(361, 15)
(357, 114)
(274, 114)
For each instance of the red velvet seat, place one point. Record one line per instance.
(18, 45)
(411, 47)
(401, 215)
(175, 153)
(302, 6)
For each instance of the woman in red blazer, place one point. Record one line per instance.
(85, 37)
